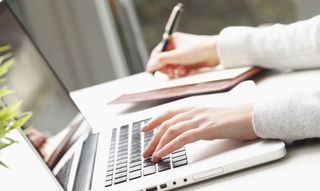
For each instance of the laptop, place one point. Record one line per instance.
(110, 158)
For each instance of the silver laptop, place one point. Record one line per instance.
(111, 159)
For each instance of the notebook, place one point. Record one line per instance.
(213, 81)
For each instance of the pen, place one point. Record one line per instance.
(171, 26)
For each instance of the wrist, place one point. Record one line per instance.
(212, 50)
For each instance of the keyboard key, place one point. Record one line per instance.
(135, 168)
(125, 160)
(109, 177)
(179, 150)
(110, 173)
(135, 160)
(138, 163)
(121, 170)
(119, 180)
(110, 164)
(177, 154)
(179, 163)
(121, 165)
(146, 120)
(165, 161)
(120, 175)
(108, 183)
(135, 155)
(149, 170)
(135, 174)
(122, 148)
(183, 157)
(109, 168)
(122, 157)
(148, 162)
(163, 167)
(136, 125)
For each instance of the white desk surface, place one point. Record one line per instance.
(298, 170)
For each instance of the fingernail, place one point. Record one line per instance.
(158, 154)
(143, 129)
(155, 159)
(145, 155)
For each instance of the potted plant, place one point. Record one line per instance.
(10, 117)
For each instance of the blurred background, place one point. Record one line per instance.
(90, 42)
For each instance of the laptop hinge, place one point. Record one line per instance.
(84, 173)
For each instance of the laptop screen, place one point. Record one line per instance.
(33, 82)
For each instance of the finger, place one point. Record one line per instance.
(173, 132)
(196, 66)
(153, 144)
(162, 59)
(170, 71)
(156, 121)
(182, 71)
(180, 141)
(37, 139)
(156, 49)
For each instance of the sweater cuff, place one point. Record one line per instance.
(291, 117)
(233, 48)
(267, 121)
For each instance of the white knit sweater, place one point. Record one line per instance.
(294, 46)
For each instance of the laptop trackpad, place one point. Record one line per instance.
(205, 149)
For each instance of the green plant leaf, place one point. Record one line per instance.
(5, 57)
(8, 113)
(3, 164)
(10, 118)
(20, 122)
(5, 92)
(7, 64)
(5, 48)
(8, 142)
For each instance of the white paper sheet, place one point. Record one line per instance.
(161, 81)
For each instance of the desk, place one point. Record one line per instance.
(297, 171)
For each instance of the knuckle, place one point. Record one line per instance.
(186, 138)
(161, 59)
(164, 125)
(172, 132)
(169, 112)
(194, 122)
(169, 148)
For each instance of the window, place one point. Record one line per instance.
(210, 16)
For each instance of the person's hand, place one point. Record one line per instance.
(184, 53)
(37, 139)
(179, 127)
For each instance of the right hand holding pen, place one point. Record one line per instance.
(185, 53)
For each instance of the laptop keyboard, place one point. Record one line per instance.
(64, 173)
(125, 162)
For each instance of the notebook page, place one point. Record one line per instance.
(161, 81)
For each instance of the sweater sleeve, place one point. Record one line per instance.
(295, 116)
(294, 46)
